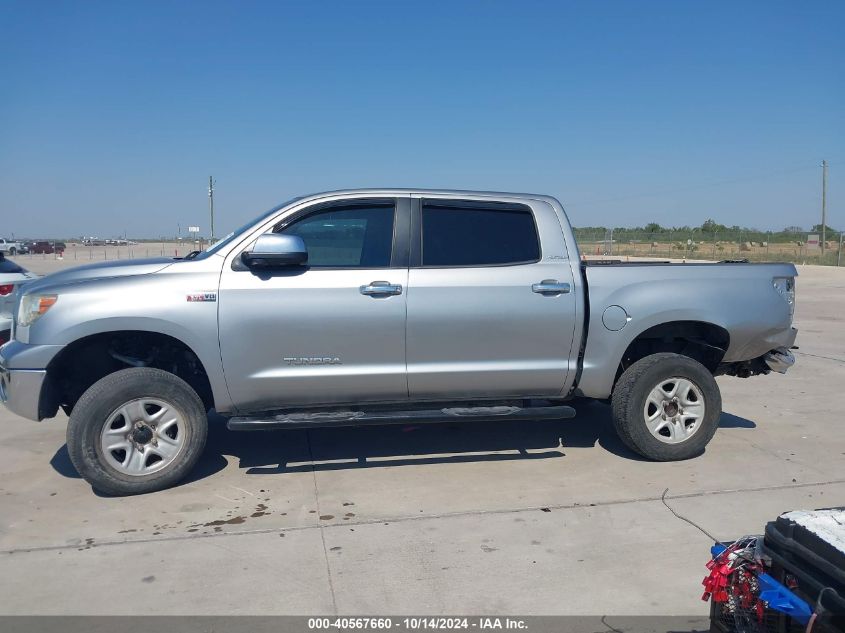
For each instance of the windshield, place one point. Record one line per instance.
(231, 237)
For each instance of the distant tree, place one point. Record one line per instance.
(793, 229)
(653, 227)
(711, 226)
(817, 228)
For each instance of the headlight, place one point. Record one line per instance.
(786, 289)
(33, 306)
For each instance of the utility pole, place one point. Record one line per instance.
(211, 182)
(824, 205)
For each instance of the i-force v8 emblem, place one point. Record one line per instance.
(201, 296)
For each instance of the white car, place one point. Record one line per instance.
(12, 277)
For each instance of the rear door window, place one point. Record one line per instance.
(476, 235)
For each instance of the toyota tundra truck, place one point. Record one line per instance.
(11, 248)
(385, 306)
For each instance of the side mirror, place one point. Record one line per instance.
(276, 250)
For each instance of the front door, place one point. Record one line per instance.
(332, 331)
(481, 321)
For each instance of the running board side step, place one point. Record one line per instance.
(304, 419)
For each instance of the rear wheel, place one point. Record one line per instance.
(137, 430)
(666, 407)
(13, 251)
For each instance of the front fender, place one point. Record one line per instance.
(150, 303)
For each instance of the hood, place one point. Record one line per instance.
(102, 270)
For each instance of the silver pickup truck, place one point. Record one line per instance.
(384, 306)
(11, 248)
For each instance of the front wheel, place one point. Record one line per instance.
(137, 430)
(13, 251)
(666, 407)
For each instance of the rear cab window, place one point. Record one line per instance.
(471, 234)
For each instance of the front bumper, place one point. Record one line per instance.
(20, 391)
(23, 380)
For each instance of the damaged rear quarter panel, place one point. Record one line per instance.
(737, 297)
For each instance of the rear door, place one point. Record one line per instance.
(491, 307)
(329, 332)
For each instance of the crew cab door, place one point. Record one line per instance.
(491, 304)
(331, 331)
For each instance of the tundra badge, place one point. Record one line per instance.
(312, 360)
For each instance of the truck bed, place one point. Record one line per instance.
(625, 299)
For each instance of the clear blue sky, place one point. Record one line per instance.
(114, 114)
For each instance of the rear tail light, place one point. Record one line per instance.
(6, 289)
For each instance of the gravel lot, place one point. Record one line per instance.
(544, 518)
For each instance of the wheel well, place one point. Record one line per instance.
(704, 342)
(85, 361)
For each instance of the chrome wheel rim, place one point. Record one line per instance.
(674, 410)
(142, 436)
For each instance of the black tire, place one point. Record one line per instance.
(629, 400)
(103, 398)
(13, 252)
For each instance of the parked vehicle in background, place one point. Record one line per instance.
(384, 306)
(41, 248)
(8, 247)
(12, 276)
(45, 247)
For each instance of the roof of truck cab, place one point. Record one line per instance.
(432, 192)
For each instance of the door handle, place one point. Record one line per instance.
(380, 289)
(550, 287)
